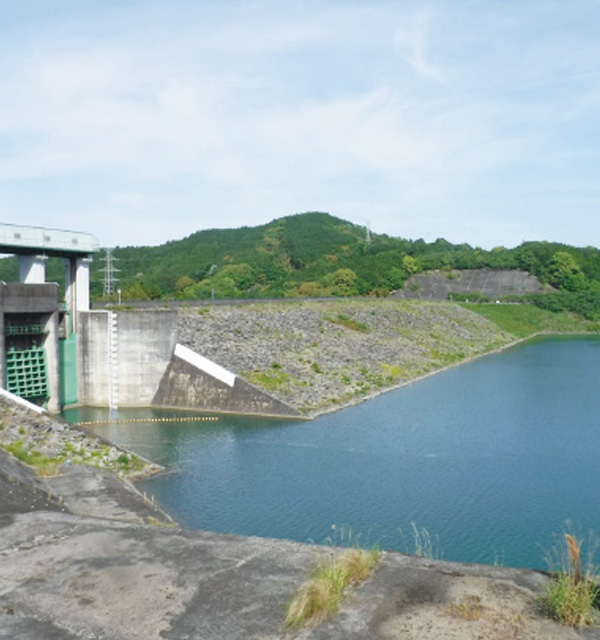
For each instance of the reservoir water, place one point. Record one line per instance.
(490, 459)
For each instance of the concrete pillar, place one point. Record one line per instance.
(82, 284)
(32, 269)
(52, 363)
(77, 291)
(69, 264)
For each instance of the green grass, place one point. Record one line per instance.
(571, 602)
(320, 597)
(271, 380)
(43, 465)
(47, 466)
(524, 320)
(446, 357)
(349, 323)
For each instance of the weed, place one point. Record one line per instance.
(137, 463)
(571, 602)
(358, 564)
(316, 368)
(69, 447)
(270, 380)
(391, 371)
(320, 597)
(469, 609)
(43, 465)
(315, 601)
(349, 323)
(123, 460)
(573, 593)
(159, 523)
(421, 543)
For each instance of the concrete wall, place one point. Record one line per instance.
(122, 362)
(28, 298)
(194, 382)
(494, 283)
(146, 342)
(92, 358)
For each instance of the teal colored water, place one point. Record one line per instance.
(491, 458)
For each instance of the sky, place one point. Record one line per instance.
(144, 121)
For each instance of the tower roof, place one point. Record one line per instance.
(52, 242)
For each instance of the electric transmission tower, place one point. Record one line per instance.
(109, 271)
(368, 234)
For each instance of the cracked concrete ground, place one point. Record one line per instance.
(86, 565)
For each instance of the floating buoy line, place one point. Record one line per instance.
(131, 420)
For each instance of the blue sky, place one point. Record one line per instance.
(141, 122)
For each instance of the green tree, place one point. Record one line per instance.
(410, 265)
(565, 273)
(183, 283)
(342, 282)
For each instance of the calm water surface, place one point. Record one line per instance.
(491, 458)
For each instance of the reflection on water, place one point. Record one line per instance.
(491, 458)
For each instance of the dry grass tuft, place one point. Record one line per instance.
(358, 564)
(320, 597)
(469, 609)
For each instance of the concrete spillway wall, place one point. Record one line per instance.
(194, 382)
(132, 359)
(122, 356)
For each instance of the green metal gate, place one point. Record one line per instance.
(26, 374)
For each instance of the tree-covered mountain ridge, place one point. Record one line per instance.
(316, 254)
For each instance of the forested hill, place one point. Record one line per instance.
(316, 254)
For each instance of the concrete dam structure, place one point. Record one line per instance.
(37, 332)
(132, 359)
(59, 353)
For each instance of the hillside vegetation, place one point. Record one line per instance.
(319, 255)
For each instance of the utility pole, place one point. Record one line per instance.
(109, 271)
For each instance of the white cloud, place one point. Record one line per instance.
(188, 115)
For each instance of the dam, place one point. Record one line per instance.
(59, 353)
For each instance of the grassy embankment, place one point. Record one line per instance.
(524, 321)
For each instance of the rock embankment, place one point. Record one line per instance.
(47, 444)
(321, 355)
(49, 465)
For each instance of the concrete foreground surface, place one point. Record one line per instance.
(79, 560)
